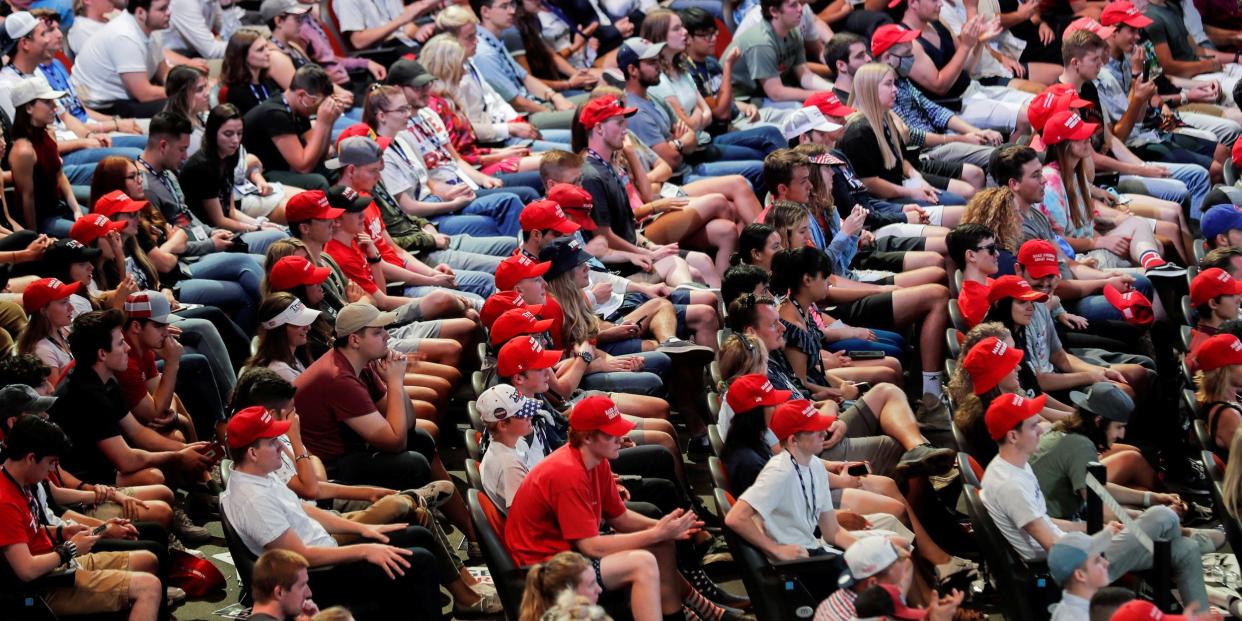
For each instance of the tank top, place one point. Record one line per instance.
(46, 179)
(940, 57)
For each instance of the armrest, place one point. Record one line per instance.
(805, 562)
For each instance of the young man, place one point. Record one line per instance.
(1015, 503)
(1077, 564)
(1215, 296)
(772, 70)
(92, 411)
(121, 68)
(507, 415)
(845, 54)
(103, 581)
(1221, 226)
(560, 504)
(714, 77)
(267, 515)
(657, 126)
(974, 250)
(279, 587)
(525, 92)
(283, 136)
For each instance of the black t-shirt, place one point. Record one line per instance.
(860, 146)
(89, 412)
(246, 96)
(201, 180)
(268, 121)
(612, 203)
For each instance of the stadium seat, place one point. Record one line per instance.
(956, 317)
(472, 412)
(714, 438)
(1233, 530)
(1027, 588)
(508, 578)
(474, 475)
(474, 444)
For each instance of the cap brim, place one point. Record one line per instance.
(319, 274)
(1138, 21)
(618, 427)
(1082, 132)
(827, 126)
(1032, 296)
(1042, 271)
(567, 227)
(67, 290)
(275, 430)
(542, 325)
(1079, 399)
(304, 318)
(331, 213)
(332, 164)
(1105, 32)
(166, 319)
(546, 360)
(40, 404)
(382, 320)
(538, 269)
(776, 397)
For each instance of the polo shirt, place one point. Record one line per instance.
(17, 524)
(119, 47)
(330, 393)
(353, 262)
(612, 203)
(89, 411)
(560, 502)
(764, 56)
(133, 380)
(268, 121)
(498, 67)
(1014, 499)
(262, 508)
(789, 499)
(1060, 465)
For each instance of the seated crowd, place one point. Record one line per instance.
(286, 247)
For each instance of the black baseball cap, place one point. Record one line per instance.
(408, 73)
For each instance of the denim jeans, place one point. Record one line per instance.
(888, 342)
(464, 261)
(55, 226)
(474, 286)
(1186, 182)
(752, 170)
(1125, 554)
(201, 337)
(493, 215)
(750, 144)
(92, 156)
(198, 391)
(711, 6)
(528, 179)
(258, 241)
(523, 192)
(80, 175)
(645, 382)
(226, 280)
(1098, 308)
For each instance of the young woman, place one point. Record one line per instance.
(47, 332)
(103, 243)
(42, 194)
(1218, 380)
(247, 58)
(189, 95)
(546, 581)
(208, 181)
(284, 323)
(875, 142)
(561, 47)
(756, 245)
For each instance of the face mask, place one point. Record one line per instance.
(904, 65)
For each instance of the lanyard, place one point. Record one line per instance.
(36, 512)
(812, 328)
(813, 502)
(172, 191)
(255, 91)
(505, 60)
(622, 180)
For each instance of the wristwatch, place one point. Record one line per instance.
(587, 356)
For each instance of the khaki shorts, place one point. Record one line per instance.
(101, 584)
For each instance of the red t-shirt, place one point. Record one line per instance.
(560, 502)
(353, 262)
(133, 379)
(373, 224)
(508, 300)
(17, 523)
(330, 393)
(973, 300)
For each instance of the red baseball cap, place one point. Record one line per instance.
(1066, 125)
(1014, 287)
(750, 391)
(599, 413)
(1008, 410)
(92, 226)
(1142, 610)
(1211, 283)
(829, 104)
(1039, 258)
(358, 129)
(973, 301)
(1055, 98)
(576, 202)
(546, 214)
(498, 304)
(517, 322)
(1134, 306)
(293, 271)
(310, 205)
(1087, 23)
(989, 361)
(796, 416)
(44, 291)
(524, 354)
(1218, 351)
(887, 36)
(254, 423)
(599, 110)
(115, 202)
(1123, 12)
(517, 268)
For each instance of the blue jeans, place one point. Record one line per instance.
(226, 280)
(122, 146)
(523, 179)
(258, 241)
(206, 341)
(492, 215)
(524, 193)
(55, 226)
(711, 6)
(196, 385)
(750, 144)
(1187, 182)
(80, 174)
(890, 343)
(752, 170)
(645, 382)
(470, 284)
(476, 254)
(1097, 307)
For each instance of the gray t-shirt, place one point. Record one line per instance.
(1042, 340)
(764, 56)
(1169, 26)
(1060, 465)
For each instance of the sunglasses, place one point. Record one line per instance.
(991, 249)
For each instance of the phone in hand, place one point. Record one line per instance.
(862, 387)
(865, 354)
(858, 470)
(98, 530)
(640, 320)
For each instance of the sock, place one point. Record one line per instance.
(931, 383)
(1150, 259)
(701, 606)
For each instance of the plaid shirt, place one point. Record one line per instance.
(922, 115)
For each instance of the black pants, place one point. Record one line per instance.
(235, 340)
(133, 109)
(407, 469)
(370, 594)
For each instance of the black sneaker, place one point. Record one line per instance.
(696, 353)
(1166, 270)
(926, 459)
(187, 531)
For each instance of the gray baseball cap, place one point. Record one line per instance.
(1072, 550)
(17, 399)
(271, 8)
(1105, 399)
(355, 150)
(635, 49)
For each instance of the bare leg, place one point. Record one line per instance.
(737, 188)
(638, 570)
(1130, 469)
(145, 593)
(641, 406)
(922, 275)
(443, 351)
(702, 322)
(673, 271)
(928, 303)
(896, 419)
(661, 318)
(703, 269)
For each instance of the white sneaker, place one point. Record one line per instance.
(956, 565)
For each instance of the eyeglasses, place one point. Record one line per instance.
(705, 34)
(989, 248)
(405, 109)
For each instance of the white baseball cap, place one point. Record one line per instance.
(29, 89)
(296, 314)
(867, 557)
(804, 120)
(503, 401)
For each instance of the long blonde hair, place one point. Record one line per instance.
(546, 580)
(1077, 186)
(1214, 385)
(741, 354)
(445, 58)
(1232, 487)
(581, 324)
(866, 99)
(994, 208)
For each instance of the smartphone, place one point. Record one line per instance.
(865, 354)
(858, 470)
(862, 387)
(98, 530)
(640, 320)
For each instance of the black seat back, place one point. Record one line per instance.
(474, 475)
(1233, 530)
(1025, 587)
(243, 558)
(956, 317)
(489, 524)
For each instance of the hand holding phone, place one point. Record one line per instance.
(98, 530)
(858, 470)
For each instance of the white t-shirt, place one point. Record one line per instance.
(81, 32)
(1013, 500)
(261, 509)
(503, 470)
(119, 47)
(790, 505)
(359, 15)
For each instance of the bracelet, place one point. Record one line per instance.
(1146, 499)
(60, 532)
(1184, 98)
(301, 457)
(374, 260)
(67, 551)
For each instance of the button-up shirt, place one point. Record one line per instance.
(498, 67)
(922, 115)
